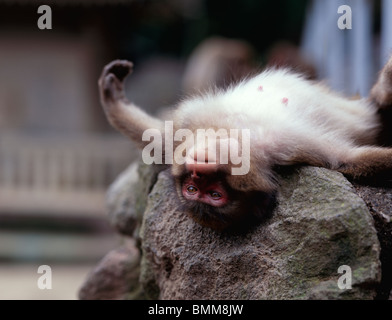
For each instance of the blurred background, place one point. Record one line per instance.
(58, 155)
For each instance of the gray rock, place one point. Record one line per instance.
(121, 201)
(379, 202)
(127, 197)
(116, 277)
(319, 225)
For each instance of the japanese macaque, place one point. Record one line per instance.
(289, 121)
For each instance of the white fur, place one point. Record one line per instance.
(313, 117)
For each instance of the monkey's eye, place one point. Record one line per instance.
(215, 195)
(191, 189)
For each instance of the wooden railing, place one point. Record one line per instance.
(59, 174)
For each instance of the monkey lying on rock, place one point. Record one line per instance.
(276, 118)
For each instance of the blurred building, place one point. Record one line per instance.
(57, 152)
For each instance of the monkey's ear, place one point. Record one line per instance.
(123, 115)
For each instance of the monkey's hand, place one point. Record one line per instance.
(111, 81)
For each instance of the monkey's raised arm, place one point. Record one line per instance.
(122, 114)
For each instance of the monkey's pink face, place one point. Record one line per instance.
(211, 195)
(197, 188)
(200, 185)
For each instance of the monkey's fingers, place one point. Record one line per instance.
(111, 81)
